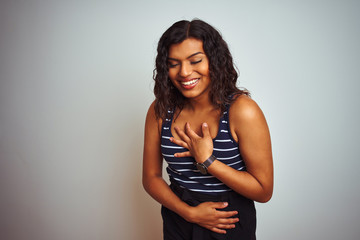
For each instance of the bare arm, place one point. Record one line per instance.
(205, 214)
(152, 179)
(250, 130)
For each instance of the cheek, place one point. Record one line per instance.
(172, 73)
(204, 70)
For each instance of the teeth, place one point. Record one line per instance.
(189, 82)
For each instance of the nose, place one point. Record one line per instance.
(185, 70)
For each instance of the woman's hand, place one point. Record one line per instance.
(200, 148)
(206, 215)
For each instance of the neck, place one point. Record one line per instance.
(199, 104)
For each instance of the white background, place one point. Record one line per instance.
(76, 82)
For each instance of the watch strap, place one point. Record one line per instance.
(209, 161)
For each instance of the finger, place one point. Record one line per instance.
(179, 142)
(183, 154)
(225, 226)
(219, 205)
(182, 134)
(228, 221)
(190, 132)
(205, 130)
(217, 230)
(226, 214)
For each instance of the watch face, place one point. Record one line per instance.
(201, 168)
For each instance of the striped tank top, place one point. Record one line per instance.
(183, 170)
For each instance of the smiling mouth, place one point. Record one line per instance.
(191, 82)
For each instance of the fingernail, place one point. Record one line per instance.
(171, 139)
(225, 203)
(205, 125)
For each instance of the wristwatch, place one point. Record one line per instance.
(202, 167)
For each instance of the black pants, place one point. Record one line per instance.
(177, 228)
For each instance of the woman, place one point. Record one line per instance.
(214, 138)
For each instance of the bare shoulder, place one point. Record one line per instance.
(245, 109)
(151, 119)
(245, 115)
(151, 111)
(152, 158)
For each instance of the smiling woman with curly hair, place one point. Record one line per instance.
(221, 66)
(212, 135)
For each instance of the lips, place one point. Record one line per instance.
(189, 84)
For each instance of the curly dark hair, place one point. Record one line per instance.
(221, 68)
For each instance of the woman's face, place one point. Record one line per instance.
(189, 68)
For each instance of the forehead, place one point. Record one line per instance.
(186, 48)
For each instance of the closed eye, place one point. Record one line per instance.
(195, 62)
(171, 65)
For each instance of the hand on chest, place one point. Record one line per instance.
(195, 121)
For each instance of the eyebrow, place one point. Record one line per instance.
(174, 59)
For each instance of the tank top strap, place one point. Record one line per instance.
(168, 119)
(225, 119)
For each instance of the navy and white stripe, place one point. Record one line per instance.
(183, 171)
